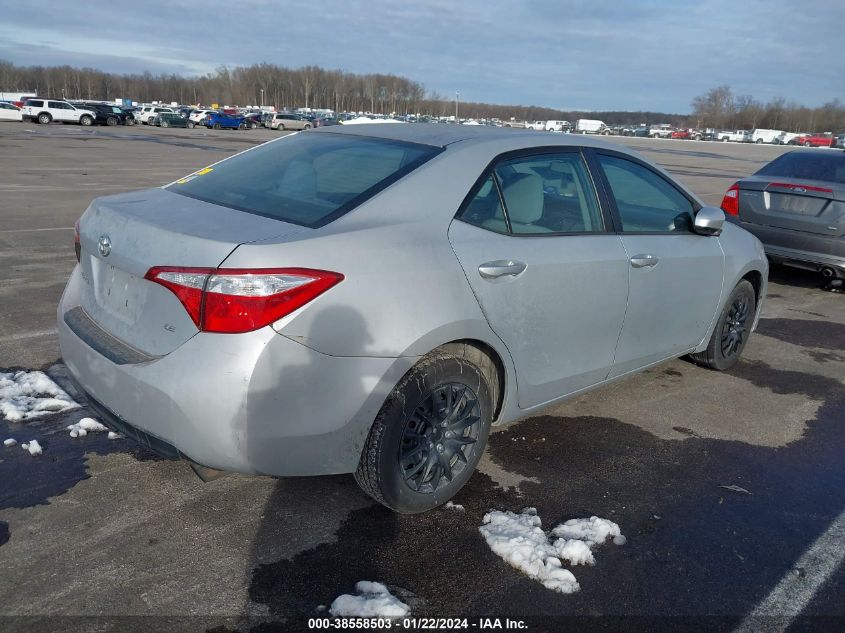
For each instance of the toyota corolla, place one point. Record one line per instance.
(372, 299)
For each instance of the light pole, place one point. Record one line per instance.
(262, 98)
(457, 97)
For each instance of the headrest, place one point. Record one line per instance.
(524, 198)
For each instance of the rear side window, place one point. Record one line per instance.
(307, 179)
(536, 195)
(35, 103)
(807, 166)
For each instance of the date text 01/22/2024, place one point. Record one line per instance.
(417, 624)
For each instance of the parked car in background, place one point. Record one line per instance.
(734, 136)
(288, 121)
(681, 134)
(48, 110)
(324, 121)
(589, 126)
(840, 141)
(814, 140)
(197, 116)
(765, 136)
(795, 205)
(557, 126)
(149, 112)
(641, 131)
(535, 125)
(706, 134)
(308, 331)
(10, 112)
(220, 121)
(253, 120)
(788, 138)
(663, 130)
(171, 119)
(106, 114)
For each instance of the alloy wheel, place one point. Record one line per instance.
(439, 436)
(735, 328)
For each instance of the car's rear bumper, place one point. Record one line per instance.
(256, 403)
(807, 250)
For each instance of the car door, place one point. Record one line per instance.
(551, 279)
(675, 274)
(60, 111)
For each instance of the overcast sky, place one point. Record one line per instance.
(592, 55)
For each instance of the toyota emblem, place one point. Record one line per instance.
(104, 245)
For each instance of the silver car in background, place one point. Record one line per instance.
(372, 299)
(796, 206)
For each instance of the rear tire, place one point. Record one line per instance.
(190, 125)
(732, 330)
(431, 431)
(759, 141)
(307, 127)
(164, 124)
(216, 126)
(808, 144)
(44, 118)
(112, 121)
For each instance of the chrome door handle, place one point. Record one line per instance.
(501, 268)
(644, 261)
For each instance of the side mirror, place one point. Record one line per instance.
(709, 221)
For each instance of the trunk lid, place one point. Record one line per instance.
(123, 236)
(811, 206)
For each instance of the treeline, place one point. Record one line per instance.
(310, 86)
(720, 108)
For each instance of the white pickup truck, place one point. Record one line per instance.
(736, 136)
(535, 125)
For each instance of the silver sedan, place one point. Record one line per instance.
(371, 300)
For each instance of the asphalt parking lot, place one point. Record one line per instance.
(730, 488)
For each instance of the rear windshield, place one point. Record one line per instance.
(829, 166)
(308, 179)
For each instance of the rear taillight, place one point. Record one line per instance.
(77, 246)
(234, 300)
(730, 203)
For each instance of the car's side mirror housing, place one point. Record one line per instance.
(709, 221)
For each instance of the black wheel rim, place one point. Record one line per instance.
(438, 437)
(735, 328)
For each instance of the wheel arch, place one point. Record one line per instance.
(477, 352)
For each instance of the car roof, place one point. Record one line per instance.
(441, 135)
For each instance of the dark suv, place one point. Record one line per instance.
(107, 114)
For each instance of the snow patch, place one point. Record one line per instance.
(82, 428)
(365, 119)
(519, 539)
(373, 600)
(33, 447)
(25, 395)
(593, 531)
(115, 436)
(454, 506)
(10, 442)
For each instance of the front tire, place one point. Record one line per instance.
(431, 431)
(808, 144)
(190, 125)
(732, 330)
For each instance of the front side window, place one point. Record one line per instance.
(540, 194)
(647, 202)
(306, 179)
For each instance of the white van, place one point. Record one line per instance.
(765, 136)
(557, 126)
(589, 126)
